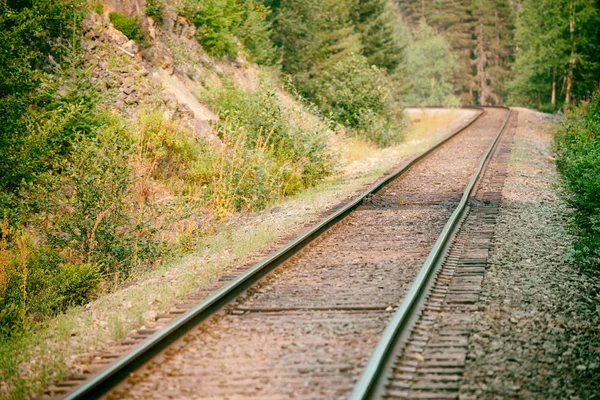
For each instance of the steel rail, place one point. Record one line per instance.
(105, 380)
(405, 317)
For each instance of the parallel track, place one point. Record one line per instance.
(112, 376)
(398, 331)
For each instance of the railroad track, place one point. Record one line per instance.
(305, 321)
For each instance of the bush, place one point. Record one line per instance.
(578, 161)
(154, 9)
(262, 115)
(166, 147)
(129, 26)
(357, 95)
(245, 177)
(217, 22)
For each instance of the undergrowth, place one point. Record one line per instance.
(358, 96)
(578, 161)
(270, 151)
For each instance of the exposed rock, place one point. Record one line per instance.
(131, 46)
(127, 80)
(202, 127)
(167, 64)
(191, 31)
(151, 27)
(128, 89)
(115, 36)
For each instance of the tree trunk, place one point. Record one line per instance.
(553, 100)
(481, 63)
(572, 60)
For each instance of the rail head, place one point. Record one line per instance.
(405, 316)
(105, 380)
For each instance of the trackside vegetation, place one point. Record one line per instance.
(578, 160)
(103, 178)
(72, 230)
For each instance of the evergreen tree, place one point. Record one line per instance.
(480, 35)
(558, 60)
(309, 33)
(376, 20)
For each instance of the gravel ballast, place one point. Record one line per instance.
(537, 332)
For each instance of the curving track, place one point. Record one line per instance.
(308, 329)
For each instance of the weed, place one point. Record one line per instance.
(130, 26)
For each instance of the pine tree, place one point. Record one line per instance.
(558, 59)
(376, 20)
(309, 33)
(480, 34)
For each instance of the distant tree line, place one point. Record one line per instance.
(543, 53)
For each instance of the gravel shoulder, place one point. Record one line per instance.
(537, 334)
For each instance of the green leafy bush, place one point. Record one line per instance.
(578, 160)
(217, 22)
(130, 26)
(357, 95)
(245, 177)
(166, 146)
(222, 25)
(154, 9)
(262, 115)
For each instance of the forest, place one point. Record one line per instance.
(70, 228)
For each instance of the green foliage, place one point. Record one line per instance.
(69, 285)
(166, 147)
(262, 116)
(431, 66)
(33, 36)
(88, 201)
(578, 160)
(480, 34)
(383, 45)
(312, 33)
(272, 151)
(130, 26)
(550, 55)
(255, 33)
(154, 9)
(217, 22)
(223, 24)
(98, 7)
(62, 111)
(246, 176)
(357, 95)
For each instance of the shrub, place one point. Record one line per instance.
(261, 114)
(166, 147)
(130, 26)
(217, 22)
(578, 160)
(245, 177)
(357, 95)
(154, 9)
(88, 203)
